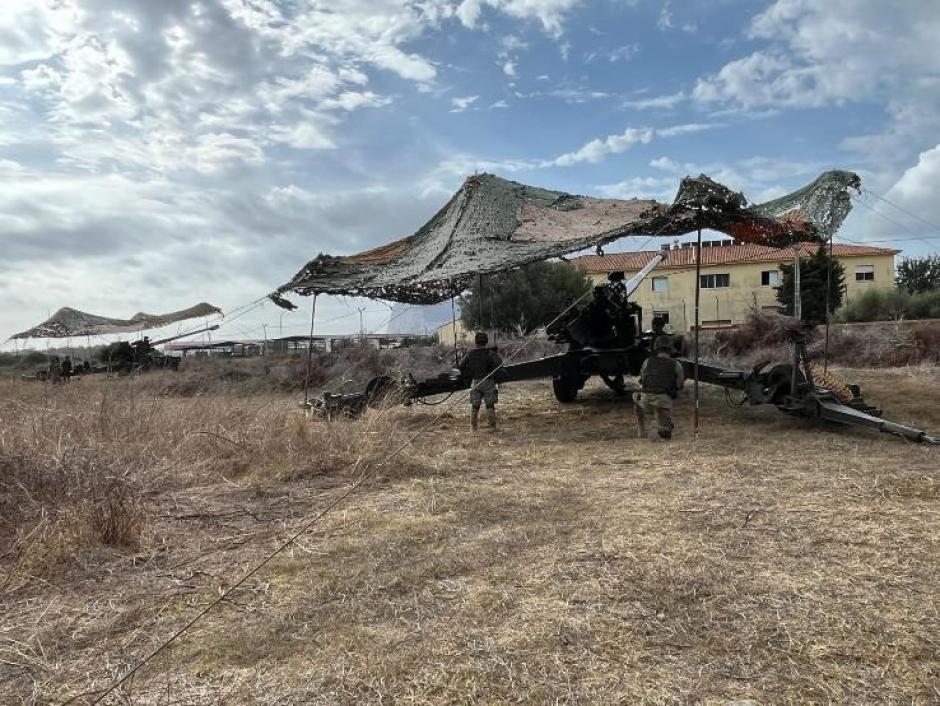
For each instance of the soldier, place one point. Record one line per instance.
(661, 378)
(478, 365)
(659, 327)
(66, 369)
(55, 370)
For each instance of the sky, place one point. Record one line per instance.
(157, 154)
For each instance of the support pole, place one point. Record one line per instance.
(453, 313)
(797, 293)
(480, 296)
(828, 305)
(698, 293)
(798, 313)
(493, 318)
(313, 318)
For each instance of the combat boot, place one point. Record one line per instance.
(491, 418)
(474, 418)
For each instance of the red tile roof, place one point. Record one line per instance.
(728, 254)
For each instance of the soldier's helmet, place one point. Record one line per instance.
(481, 339)
(663, 343)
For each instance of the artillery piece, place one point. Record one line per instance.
(125, 358)
(605, 338)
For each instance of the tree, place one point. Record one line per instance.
(522, 300)
(919, 274)
(813, 278)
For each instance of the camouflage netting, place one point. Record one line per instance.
(492, 225)
(72, 322)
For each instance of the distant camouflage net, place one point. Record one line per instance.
(492, 225)
(72, 322)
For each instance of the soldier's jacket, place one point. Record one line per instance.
(479, 363)
(661, 375)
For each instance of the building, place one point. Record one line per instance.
(445, 333)
(735, 278)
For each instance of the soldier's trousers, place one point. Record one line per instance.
(484, 392)
(649, 404)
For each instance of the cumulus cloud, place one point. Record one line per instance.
(912, 208)
(844, 51)
(599, 149)
(138, 138)
(549, 13)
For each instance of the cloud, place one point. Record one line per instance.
(302, 137)
(913, 209)
(549, 13)
(761, 178)
(469, 11)
(662, 189)
(461, 104)
(665, 22)
(572, 96)
(600, 148)
(664, 102)
(509, 68)
(686, 129)
(615, 55)
(821, 54)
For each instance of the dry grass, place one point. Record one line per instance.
(560, 560)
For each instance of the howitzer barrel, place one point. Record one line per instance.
(183, 335)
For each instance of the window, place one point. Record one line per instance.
(715, 281)
(770, 278)
(664, 315)
(865, 273)
(660, 284)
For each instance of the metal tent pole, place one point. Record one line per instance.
(698, 288)
(828, 304)
(453, 314)
(798, 313)
(313, 318)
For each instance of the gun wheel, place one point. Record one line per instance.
(565, 389)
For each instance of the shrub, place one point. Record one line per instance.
(51, 509)
(888, 305)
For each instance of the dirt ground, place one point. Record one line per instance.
(559, 560)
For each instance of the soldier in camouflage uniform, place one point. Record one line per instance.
(478, 365)
(661, 378)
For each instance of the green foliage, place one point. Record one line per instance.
(116, 352)
(919, 274)
(813, 279)
(25, 359)
(888, 305)
(522, 300)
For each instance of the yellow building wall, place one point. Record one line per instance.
(445, 333)
(724, 305)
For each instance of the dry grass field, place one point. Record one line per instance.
(560, 560)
